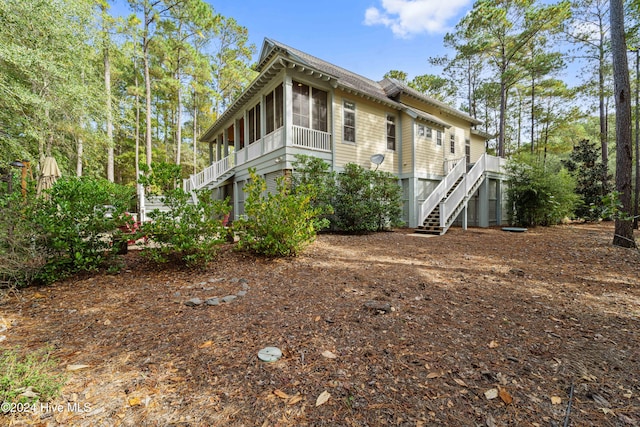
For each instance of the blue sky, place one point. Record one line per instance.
(369, 37)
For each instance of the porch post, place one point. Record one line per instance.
(210, 152)
(499, 201)
(483, 203)
(288, 109)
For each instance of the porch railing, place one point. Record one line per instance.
(311, 139)
(301, 137)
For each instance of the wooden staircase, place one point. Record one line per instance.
(451, 195)
(431, 224)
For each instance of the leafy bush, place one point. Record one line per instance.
(311, 176)
(539, 194)
(278, 224)
(365, 200)
(20, 261)
(71, 229)
(592, 187)
(33, 372)
(188, 232)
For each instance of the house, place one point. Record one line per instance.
(300, 104)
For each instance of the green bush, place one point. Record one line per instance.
(592, 187)
(311, 176)
(187, 232)
(72, 228)
(278, 224)
(20, 260)
(365, 200)
(539, 194)
(34, 373)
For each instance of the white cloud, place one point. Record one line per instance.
(410, 17)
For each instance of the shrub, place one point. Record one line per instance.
(365, 200)
(311, 176)
(277, 224)
(188, 232)
(71, 229)
(539, 194)
(585, 165)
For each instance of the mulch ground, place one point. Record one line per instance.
(474, 328)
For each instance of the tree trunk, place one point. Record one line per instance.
(623, 235)
(195, 131)
(107, 92)
(179, 122)
(147, 82)
(79, 154)
(604, 131)
(637, 160)
(502, 121)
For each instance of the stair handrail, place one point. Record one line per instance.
(441, 190)
(462, 190)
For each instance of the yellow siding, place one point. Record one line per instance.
(477, 147)
(409, 133)
(429, 156)
(371, 134)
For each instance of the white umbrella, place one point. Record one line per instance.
(49, 174)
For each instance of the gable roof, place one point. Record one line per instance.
(275, 56)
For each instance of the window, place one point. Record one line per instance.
(439, 138)
(391, 132)
(253, 115)
(300, 105)
(279, 106)
(467, 149)
(270, 113)
(349, 122)
(309, 107)
(424, 131)
(319, 111)
(452, 143)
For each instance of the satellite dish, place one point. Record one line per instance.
(377, 160)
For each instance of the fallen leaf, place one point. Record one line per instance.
(135, 401)
(206, 344)
(76, 367)
(505, 396)
(460, 382)
(281, 394)
(491, 393)
(607, 411)
(107, 322)
(493, 344)
(328, 354)
(294, 399)
(434, 374)
(317, 319)
(556, 400)
(322, 399)
(38, 295)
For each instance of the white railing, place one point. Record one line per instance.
(254, 150)
(458, 198)
(441, 190)
(241, 156)
(301, 137)
(470, 182)
(311, 139)
(450, 164)
(274, 140)
(208, 174)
